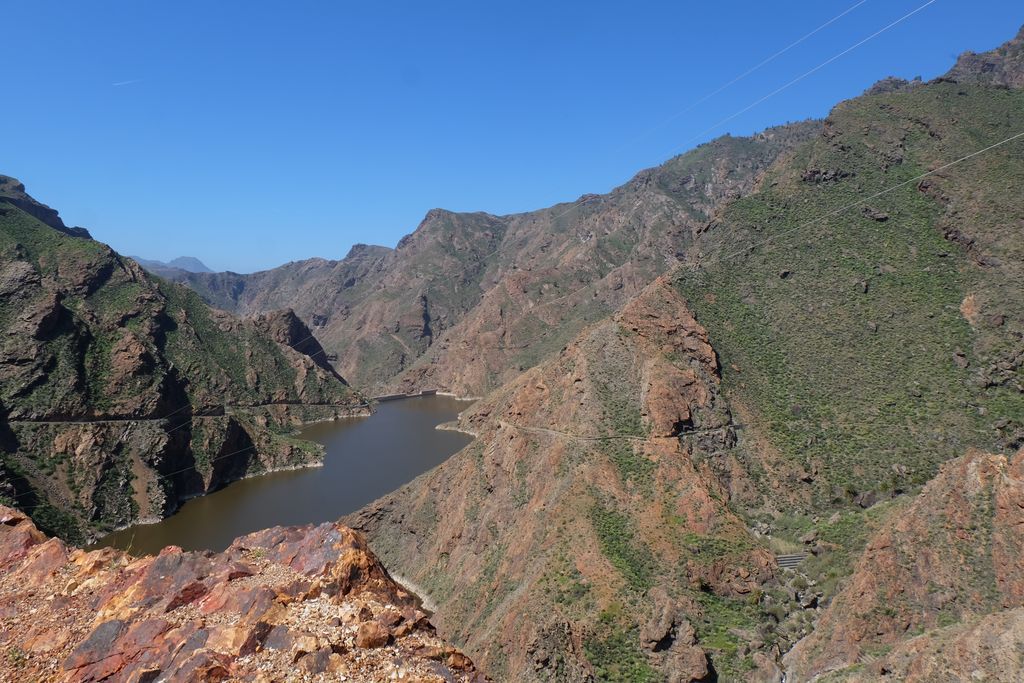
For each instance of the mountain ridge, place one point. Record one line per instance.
(188, 264)
(390, 315)
(808, 345)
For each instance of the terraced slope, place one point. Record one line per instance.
(122, 394)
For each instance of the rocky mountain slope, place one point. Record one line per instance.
(583, 532)
(122, 394)
(295, 604)
(939, 591)
(843, 319)
(848, 325)
(468, 301)
(866, 301)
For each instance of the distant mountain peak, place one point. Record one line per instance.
(189, 264)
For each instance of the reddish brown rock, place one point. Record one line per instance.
(372, 634)
(182, 616)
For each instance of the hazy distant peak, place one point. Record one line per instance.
(189, 264)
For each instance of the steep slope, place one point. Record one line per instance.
(581, 533)
(869, 324)
(13, 192)
(468, 301)
(293, 603)
(122, 394)
(952, 557)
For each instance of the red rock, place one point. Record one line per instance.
(105, 617)
(190, 593)
(371, 634)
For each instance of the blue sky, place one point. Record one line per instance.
(254, 133)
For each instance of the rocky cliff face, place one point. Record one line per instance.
(468, 301)
(122, 394)
(937, 587)
(297, 603)
(582, 534)
(865, 300)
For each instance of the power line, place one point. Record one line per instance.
(812, 71)
(737, 79)
(780, 89)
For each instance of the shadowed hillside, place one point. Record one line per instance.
(123, 394)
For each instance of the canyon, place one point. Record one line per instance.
(805, 343)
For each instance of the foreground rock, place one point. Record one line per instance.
(290, 604)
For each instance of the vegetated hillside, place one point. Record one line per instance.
(295, 603)
(469, 300)
(122, 394)
(869, 346)
(866, 335)
(583, 532)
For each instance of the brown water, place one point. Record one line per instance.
(366, 458)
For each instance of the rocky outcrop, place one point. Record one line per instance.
(1003, 66)
(583, 528)
(123, 394)
(13, 192)
(286, 328)
(953, 555)
(985, 648)
(299, 603)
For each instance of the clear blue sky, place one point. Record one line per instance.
(253, 133)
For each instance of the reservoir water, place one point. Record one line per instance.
(366, 458)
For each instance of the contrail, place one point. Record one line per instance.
(120, 83)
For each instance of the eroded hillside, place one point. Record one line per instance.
(582, 532)
(939, 590)
(864, 302)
